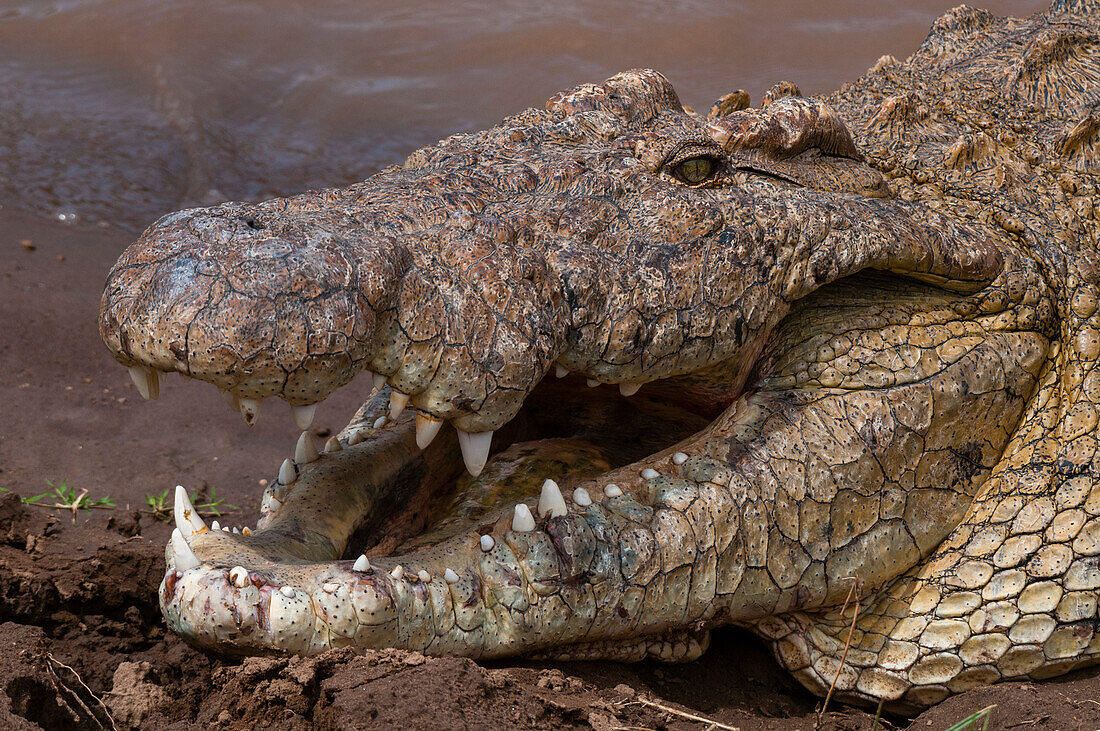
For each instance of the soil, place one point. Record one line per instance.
(83, 642)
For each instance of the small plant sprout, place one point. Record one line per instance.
(978, 721)
(65, 497)
(161, 507)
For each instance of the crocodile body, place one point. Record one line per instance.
(855, 340)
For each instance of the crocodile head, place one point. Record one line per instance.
(808, 373)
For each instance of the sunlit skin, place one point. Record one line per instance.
(643, 372)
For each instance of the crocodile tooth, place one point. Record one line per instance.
(649, 473)
(231, 399)
(225, 529)
(246, 531)
(333, 445)
(329, 588)
(356, 437)
(398, 401)
(581, 497)
(303, 415)
(426, 428)
(475, 449)
(398, 571)
(551, 503)
(182, 555)
(304, 451)
(287, 591)
(561, 371)
(450, 576)
(424, 576)
(522, 520)
(250, 409)
(612, 490)
(592, 383)
(236, 529)
(679, 458)
(288, 472)
(147, 381)
(379, 381)
(238, 575)
(379, 422)
(215, 525)
(187, 518)
(629, 389)
(487, 543)
(361, 564)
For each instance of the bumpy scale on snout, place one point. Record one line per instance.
(873, 360)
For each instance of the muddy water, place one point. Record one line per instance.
(120, 110)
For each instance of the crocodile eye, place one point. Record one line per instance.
(696, 170)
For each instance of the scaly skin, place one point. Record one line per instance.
(868, 429)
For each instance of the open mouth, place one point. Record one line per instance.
(625, 388)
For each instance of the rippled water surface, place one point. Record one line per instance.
(120, 110)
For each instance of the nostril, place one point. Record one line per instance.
(253, 224)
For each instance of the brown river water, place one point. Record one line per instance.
(116, 111)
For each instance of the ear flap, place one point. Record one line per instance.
(799, 140)
(784, 129)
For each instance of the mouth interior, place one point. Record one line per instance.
(565, 431)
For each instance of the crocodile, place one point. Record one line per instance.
(824, 368)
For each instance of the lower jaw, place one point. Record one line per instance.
(406, 511)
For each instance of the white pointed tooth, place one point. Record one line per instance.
(450, 576)
(225, 529)
(475, 449)
(215, 525)
(146, 381)
(303, 415)
(612, 490)
(379, 381)
(361, 564)
(522, 520)
(426, 428)
(424, 576)
(231, 399)
(551, 503)
(182, 555)
(333, 445)
(250, 409)
(487, 543)
(357, 437)
(679, 458)
(379, 422)
(304, 451)
(398, 402)
(187, 518)
(287, 591)
(561, 371)
(236, 529)
(398, 571)
(629, 389)
(288, 472)
(581, 497)
(649, 473)
(592, 382)
(238, 575)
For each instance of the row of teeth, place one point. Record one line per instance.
(475, 445)
(551, 504)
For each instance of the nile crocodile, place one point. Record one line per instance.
(826, 369)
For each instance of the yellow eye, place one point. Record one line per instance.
(696, 170)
